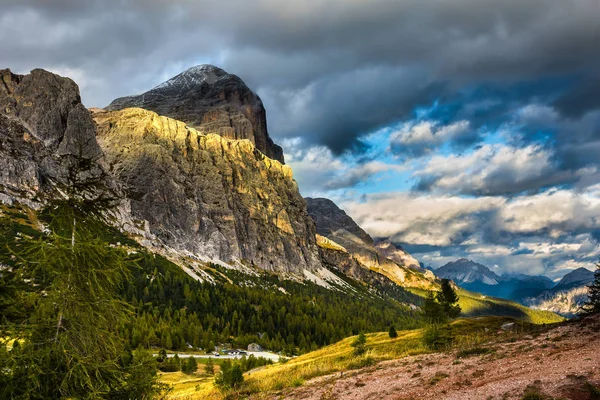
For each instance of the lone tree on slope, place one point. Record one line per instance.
(592, 306)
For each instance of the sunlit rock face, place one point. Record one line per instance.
(206, 194)
(340, 229)
(209, 99)
(43, 128)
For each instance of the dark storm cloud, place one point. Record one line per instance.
(327, 70)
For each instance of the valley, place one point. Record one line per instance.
(168, 223)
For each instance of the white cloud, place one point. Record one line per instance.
(418, 138)
(492, 169)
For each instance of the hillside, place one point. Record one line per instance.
(561, 362)
(405, 367)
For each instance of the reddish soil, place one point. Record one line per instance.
(562, 363)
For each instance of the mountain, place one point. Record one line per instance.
(465, 271)
(479, 278)
(210, 100)
(348, 244)
(575, 278)
(43, 127)
(567, 297)
(207, 196)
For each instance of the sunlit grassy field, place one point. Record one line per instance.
(468, 333)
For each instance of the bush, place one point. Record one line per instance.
(392, 332)
(189, 366)
(438, 337)
(230, 377)
(359, 345)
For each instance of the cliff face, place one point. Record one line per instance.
(44, 129)
(212, 101)
(340, 230)
(201, 195)
(208, 195)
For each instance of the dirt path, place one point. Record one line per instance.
(561, 363)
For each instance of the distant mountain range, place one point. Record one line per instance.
(564, 297)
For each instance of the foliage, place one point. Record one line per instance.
(392, 332)
(359, 344)
(592, 306)
(174, 311)
(69, 342)
(189, 366)
(448, 298)
(231, 376)
(209, 368)
(433, 310)
(438, 337)
(441, 306)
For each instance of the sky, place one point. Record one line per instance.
(457, 128)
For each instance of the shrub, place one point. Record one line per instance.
(359, 344)
(438, 337)
(230, 376)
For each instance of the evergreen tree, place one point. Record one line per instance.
(433, 310)
(592, 306)
(359, 344)
(231, 376)
(209, 368)
(69, 341)
(392, 332)
(448, 298)
(190, 366)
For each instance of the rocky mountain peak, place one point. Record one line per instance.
(42, 124)
(467, 271)
(577, 277)
(329, 218)
(210, 100)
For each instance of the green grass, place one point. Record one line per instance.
(470, 335)
(476, 304)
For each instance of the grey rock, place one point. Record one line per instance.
(329, 218)
(212, 101)
(44, 129)
(207, 195)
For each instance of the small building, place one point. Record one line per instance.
(254, 347)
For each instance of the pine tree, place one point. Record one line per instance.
(190, 366)
(392, 332)
(448, 298)
(592, 306)
(209, 368)
(434, 311)
(70, 347)
(359, 344)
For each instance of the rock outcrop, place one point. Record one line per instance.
(208, 195)
(212, 101)
(568, 296)
(200, 196)
(44, 129)
(344, 235)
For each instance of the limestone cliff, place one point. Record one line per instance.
(206, 194)
(340, 230)
(212, 101)
(44, 129)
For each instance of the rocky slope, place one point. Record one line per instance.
(567, 297)
(44, 129)
(561, 363)
(359, 248)
(207, 195)
(210, 100)
(197, 196)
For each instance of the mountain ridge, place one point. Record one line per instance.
(210, 100)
